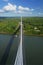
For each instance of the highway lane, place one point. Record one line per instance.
(19, 56)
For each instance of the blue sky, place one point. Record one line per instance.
(11, 8)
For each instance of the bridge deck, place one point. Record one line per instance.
(19, 57)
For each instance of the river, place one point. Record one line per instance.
(32, 49)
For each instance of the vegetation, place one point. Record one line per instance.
(31, 25)
(8, 25)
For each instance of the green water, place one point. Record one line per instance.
(33, 50)
(4, 42)
(33, 46)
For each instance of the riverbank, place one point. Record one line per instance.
(30, 34)
(5, 33)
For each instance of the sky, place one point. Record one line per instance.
(12, 8)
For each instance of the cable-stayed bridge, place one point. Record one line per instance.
(19, 57)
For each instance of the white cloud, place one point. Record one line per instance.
(17, 10)
(10, 7)
(40, 13)
(1, 10)
(23, 8)
(20, 11)
(23, 12)
(32, 9)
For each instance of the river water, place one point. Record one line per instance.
(33, 50)
(32, 45)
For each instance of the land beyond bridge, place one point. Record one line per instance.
(31, 25)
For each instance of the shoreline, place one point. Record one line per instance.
(5, 33)
(41, 35)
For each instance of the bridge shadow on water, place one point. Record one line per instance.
(6, 53)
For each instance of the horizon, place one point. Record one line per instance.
(19, 16)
